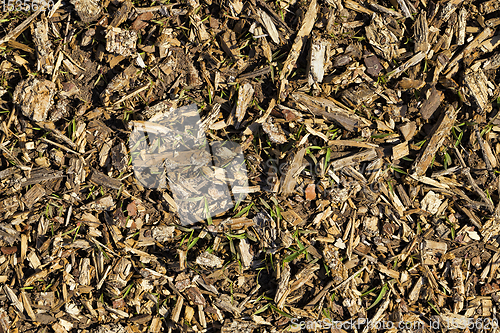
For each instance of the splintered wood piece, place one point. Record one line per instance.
(289, 181)
(362, 94)
(490, 6)
(268, 24)
(384, 41)
(421, 31)
(245, 95)
(417, 58)
(45, 55)
(293, 55)
(478, 85)
(458, 285)
(461, 26)
(400, 150)
(101, 179)
(357, 7)
(430, 105)
(404, 8)
(13, 298)
(477, 189)
(27, 306)
(303, 276)
(33, 195)
(388, 271)
(4, 320)
(34, 97)
(493, 22)
(490, 44)
(283, 287)
(363, 156)
(492, 62)
(201, 30)
(487, 154)
(246, 256)
(33, 259)
(352, 143)
(415, 292)
(408, 130)
(386, 10)
(122, 13)
(209, 260)
(317, 57)
(444, 41)
(326, 108)
(88, 10)
(277, 18)
(431, 202)
(432, 251)
(449, 9)
(439, 133)
(14, 33)
(105, 203)
(51, 128)
(486, 33)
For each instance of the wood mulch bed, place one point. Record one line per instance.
(249, 166)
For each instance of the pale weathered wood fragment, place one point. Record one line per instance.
(88, 10)
(317, 58)
(268, 24)
(122, 42)
(479, 88)
(432, 251)
(245, 95)
(461, 25)
(34, 98)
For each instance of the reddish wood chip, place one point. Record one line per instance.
(132, 209)
(140, 21)
(8, 249)
(119, 304)
(311, 192)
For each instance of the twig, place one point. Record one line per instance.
(60, 146)
(466, 172)
(346, 281)
(483, 149)
(20, 28)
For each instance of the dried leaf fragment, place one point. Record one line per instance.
(245, 95)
